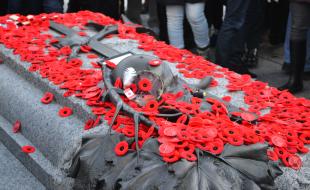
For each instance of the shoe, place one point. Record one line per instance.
(298, 61)
(251, 58)
(292, 86)
(238, 65)
(243, 70)
(204, 52)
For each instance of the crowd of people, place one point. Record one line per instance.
(233, 27)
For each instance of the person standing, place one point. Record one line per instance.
(53, 6)
(110, 8)
(20, 6)
(194, 10)
(231, 38)
(300, 12)
(3, 7)
(134, 9)
(287, 66)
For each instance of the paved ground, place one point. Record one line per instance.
(269, 69)
(13, 175)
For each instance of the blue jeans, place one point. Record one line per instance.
(197, 19)
(287, 57)
(231, 38)
(53, 6)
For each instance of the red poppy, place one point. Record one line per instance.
(110, 64)
(216, 147)
(151, 106)
(65, 112)
(173, 158)
(28, 149)
(89, 124)
(188, 156)
(278, 141)
(155, 63)
(235, 140)
(145, 85)
(247, 116)
(305, 137)
(17, 126)
(121, 148)
(92, 56)
(170, 131)
(294, 162)
(118, 83)
(272, 155)
(47, 98)
(227, 98)
(166, 149)
(182, 119)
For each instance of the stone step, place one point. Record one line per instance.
(14, 175)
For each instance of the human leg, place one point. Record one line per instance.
(50, 6)
(230, 33)
(196, 17)
(175, 17)
(298, 44)
(14, 6)
(134, 8)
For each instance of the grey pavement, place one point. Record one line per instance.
(13, 174)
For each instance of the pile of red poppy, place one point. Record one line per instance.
(286, 128)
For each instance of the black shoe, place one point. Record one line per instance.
(243, 70)
(292, 86)
(251, 58)
(298, 61)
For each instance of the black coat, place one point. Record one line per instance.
(178, 2)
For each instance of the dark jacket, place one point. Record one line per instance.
(301, 1)
(178, 2)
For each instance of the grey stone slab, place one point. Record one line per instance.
(13, 174)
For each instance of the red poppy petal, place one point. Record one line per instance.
(28, 149)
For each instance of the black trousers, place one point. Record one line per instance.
(214, 13)
(300, 21)
(3, 7)
(108, 7)
(276, 20)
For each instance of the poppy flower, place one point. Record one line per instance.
(145, 85)
(305, 138)
(118, 83)
(188, 156)
(121, 148)
(166, 149)
(47, 98)
(28, 149)
(65, 112)
(89, 124)
(216, 147)
(272, 155)
(294, 162)
(151, 106)
(278, 141)
(173, 158)
(17, 126)
(155, 63)
(110, 64)
(247, 116)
